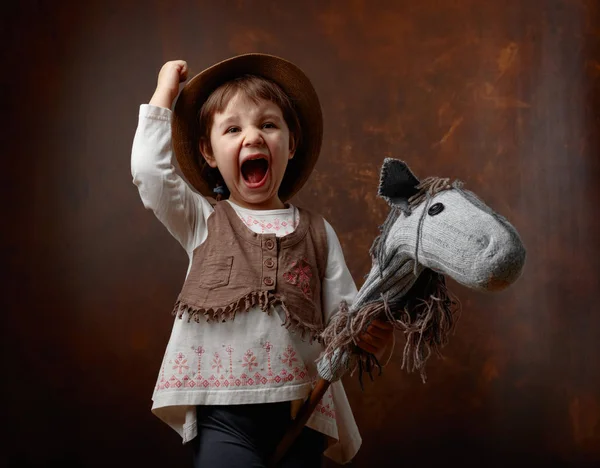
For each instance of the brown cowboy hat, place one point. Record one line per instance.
(289, 77)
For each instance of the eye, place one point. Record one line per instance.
(435, 209)
(269, 125)
(232, 130)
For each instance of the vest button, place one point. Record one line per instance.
(269, 263)
(269, 244)
(268, 281)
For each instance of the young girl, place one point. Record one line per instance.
(264, 277)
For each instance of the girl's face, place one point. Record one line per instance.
(251, 148)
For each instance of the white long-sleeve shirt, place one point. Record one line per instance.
(252, 359)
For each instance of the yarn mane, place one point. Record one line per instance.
(426, 314)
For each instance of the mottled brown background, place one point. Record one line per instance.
(501, 94)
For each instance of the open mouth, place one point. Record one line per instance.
(255, 170)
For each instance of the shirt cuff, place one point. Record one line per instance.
(149, 111)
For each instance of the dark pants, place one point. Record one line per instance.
(245, 436)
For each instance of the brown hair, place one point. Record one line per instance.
(256, 89)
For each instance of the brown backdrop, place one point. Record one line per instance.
(501, 94)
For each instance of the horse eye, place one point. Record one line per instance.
(435, 209)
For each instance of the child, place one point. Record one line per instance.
(264, 277)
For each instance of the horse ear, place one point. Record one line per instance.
(397, 183)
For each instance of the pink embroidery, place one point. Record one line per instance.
(181, 363)
(216, 363)
(199, 351)
(162, 382)
(268, 346)
(249, 360)
(281, 226)
(173, 382)
(188, 374)
(229, 350)
(300, 372)
(325, 406)
(299, 275)
(289, 356)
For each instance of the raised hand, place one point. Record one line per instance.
(170, 76)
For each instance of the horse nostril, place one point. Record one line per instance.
(489, 247)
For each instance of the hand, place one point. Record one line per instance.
(170, 76)
(377, 338)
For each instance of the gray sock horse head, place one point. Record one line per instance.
(435, 229)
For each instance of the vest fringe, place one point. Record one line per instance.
(263, 299)
(294, 324)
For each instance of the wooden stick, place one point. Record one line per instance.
(301, 419)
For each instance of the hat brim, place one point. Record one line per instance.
(293, 81)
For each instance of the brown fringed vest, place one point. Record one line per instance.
(236, 269)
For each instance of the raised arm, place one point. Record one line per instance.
(175, 204)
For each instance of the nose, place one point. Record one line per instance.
(505, 259)
(253, 137)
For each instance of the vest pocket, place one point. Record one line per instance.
(215, 272)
